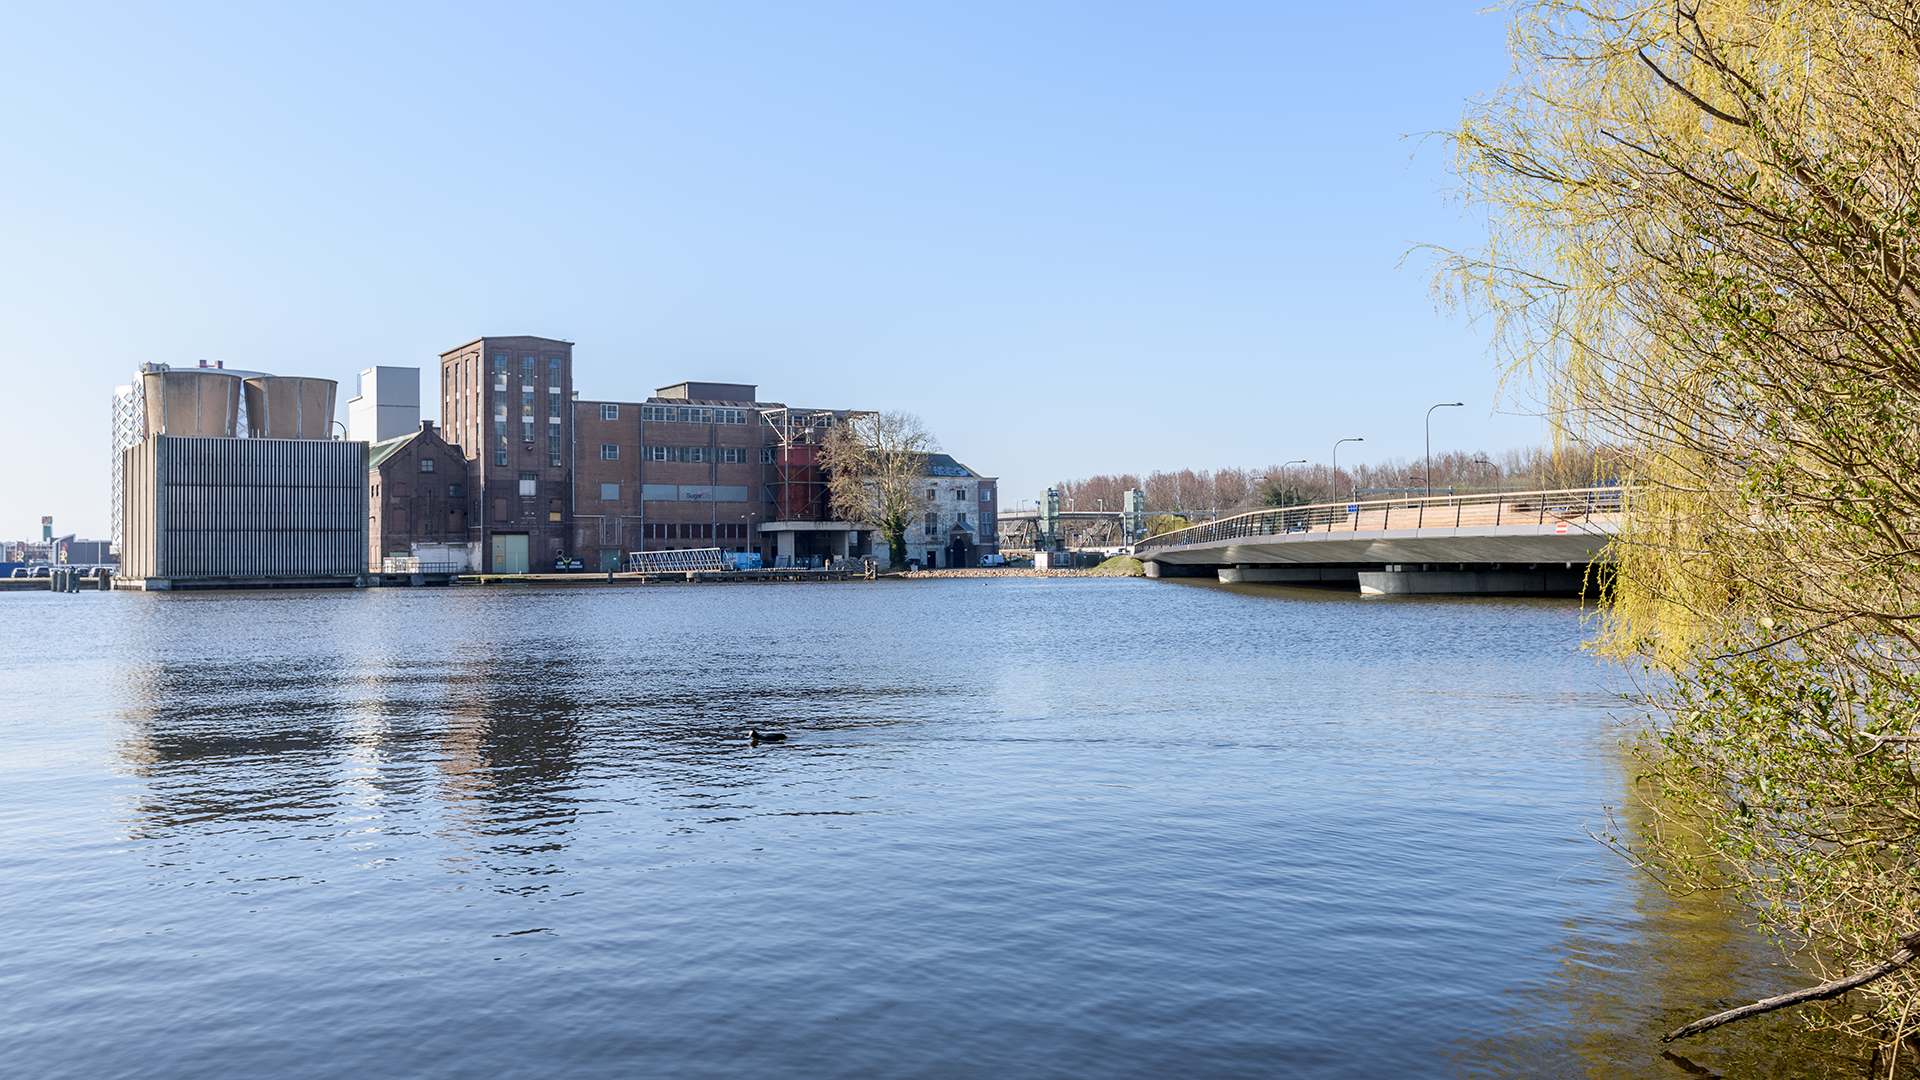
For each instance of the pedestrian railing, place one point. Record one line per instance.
(1564, 507)
(656, 562)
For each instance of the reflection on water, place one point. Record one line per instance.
(1023, 827)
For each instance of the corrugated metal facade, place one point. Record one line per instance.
(245, 509)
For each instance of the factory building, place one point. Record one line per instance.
(227, 478)
(508, 402)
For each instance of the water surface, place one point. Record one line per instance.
(1022, 828)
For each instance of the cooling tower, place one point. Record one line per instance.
(289, 407)
(192, 402)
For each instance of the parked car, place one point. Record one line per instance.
(22, 571)
(993, 560)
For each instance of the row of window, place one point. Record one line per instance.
(693, 530)
(680, 414)
(960, 494)
(724, 455)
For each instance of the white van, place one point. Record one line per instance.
(992, 560)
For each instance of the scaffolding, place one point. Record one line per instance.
(799, 491)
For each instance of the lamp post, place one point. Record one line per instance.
(1283, 473)
(1442, 405)
(1336, 465)
(1495, 468)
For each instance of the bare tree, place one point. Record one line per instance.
(876, 467)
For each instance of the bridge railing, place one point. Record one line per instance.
(1561, 505)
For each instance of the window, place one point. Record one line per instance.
(932, 494)
(766, 455)
(963, 517)
(526, 368)
(553, 368)
(733, 455)
(526, 433)
(453, 491)
(500, 380)
(426, 464)
(553, 402)
(609, 452)
(986, 495)
(376, 491)
(959, 494)
(609, 492)
(526, 405)
(500, 444)
(609, 412)
(933, 524)
(678, 453)
(553, 447)
(529, 485)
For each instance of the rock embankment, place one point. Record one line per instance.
(1117, 567)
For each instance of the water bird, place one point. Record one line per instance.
(756, 736)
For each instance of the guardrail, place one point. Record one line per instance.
(1439, 512)
(404, 564)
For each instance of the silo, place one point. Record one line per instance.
(290, 407)
(192, 402)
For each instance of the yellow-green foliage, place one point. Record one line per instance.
(1703, 251)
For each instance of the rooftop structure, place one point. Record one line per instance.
(387, 405)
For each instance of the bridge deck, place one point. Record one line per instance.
(1526, 529)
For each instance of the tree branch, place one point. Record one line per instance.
(1909, 948)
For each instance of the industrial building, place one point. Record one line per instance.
(697, 464)
(226, 478)
(229, 478)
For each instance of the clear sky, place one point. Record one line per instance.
(1075, 238)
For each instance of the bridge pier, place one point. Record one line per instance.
(1157, 569)
(1404, 579)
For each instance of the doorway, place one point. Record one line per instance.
(510, 554)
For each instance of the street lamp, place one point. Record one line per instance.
(1495, 468)
(1336, 466)
(1283, 473)
(1442, 405)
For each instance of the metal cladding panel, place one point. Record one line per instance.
(249, 508)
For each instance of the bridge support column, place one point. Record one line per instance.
(1156, 569)
(1287, 575)
(1393, 580)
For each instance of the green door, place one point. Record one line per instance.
(509, 554)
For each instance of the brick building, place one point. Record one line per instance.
(508, 401)
(417, 491)
(682, 469)
(696, 465)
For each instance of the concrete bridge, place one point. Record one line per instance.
(1505, 543)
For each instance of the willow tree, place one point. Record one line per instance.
(876, 466)
(1702, 248)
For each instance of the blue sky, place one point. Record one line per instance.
(1075, 238)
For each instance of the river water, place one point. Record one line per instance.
(1020, 828)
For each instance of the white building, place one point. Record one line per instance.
(957, 527)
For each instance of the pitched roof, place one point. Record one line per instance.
(381, 451)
